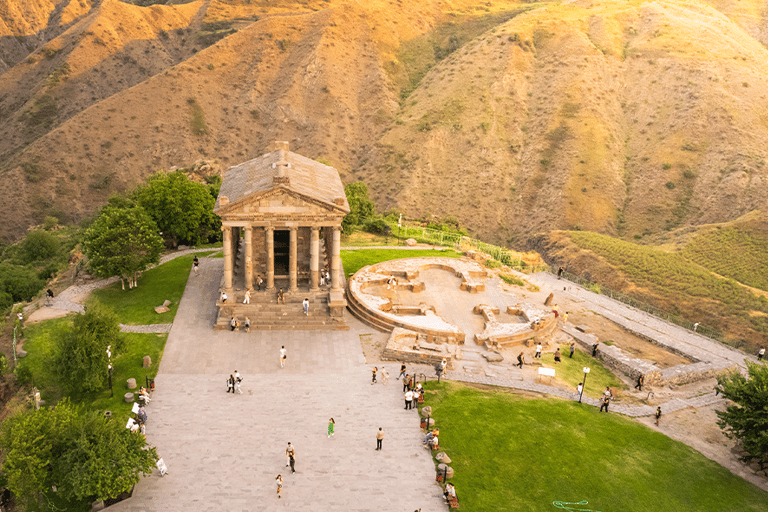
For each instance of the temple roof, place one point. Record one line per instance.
(282, 169)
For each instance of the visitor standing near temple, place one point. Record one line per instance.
(331, 427)
(196, 266)
(572, 349)
(290, 454)
(379, 438)
(247, 297)
(402, 372)
(761, 354)
(606, 401)
(283, 355)
(408, 399)
(658, 415)
(557, 355)
(640, 381)
(373, 375)
(279, 481)
(305, 303)
(520, 360)
(538, 350)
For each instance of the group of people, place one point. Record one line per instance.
(384, 375)
(234, 324)
(137, 423)
(233, 383)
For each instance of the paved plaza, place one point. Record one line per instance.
(224, 451)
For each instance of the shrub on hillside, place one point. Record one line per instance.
(39, 245)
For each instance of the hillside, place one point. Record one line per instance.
(694, 273)
(627, 118)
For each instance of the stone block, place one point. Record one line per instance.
(131, 383)
(443, 457)
(129, 397)
(493, 357)
(147, 362)
(161, 309)
(583, 328)
(444, 469)
(166, 303)
(426, 410)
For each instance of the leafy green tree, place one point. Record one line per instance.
(182, 208)
(29, 443)
(122, 242)
(101, 459)
(747, 420)
(361, 207)
(81, 351)
(84, 455)
(39, 245)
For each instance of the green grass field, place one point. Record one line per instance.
(515, 453)
(137, 306)
(40, 347)
(570, 371)
(355, 260)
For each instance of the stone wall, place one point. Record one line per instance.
(412, 347)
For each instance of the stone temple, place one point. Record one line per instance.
(281, 218)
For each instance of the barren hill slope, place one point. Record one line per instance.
(278, 78)
(611, 116)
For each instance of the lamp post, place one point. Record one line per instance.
(109, 370)
(586, 371)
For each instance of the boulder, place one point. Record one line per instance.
(131, 383)
(492, 357)
(166, 303)
(410, 242)
(426, 410)
(161, 309)
(129, 397)
(443, 457)
(147, 362)
(430, 422)
(441, 470)
(548, 301)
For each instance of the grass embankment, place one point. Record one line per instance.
(355, 260)
(675, 284)
(137, 306)
(514, 453)
(134, 307)
(571, 372)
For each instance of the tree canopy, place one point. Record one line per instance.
(747, 419)
(361, 208)
(85, 455)
(182, 208)
(122, 242)
(81, 351)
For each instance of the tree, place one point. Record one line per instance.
(84, 455)
(360, 206)
(122, 242)
(81, 351)
(747, 420)
(182, 209)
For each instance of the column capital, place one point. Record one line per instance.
(226, 228)
(269, 228)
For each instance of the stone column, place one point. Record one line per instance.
(314, 258)
(292, 273)
(228, 256)
(270, 234)
(336, 277)
(248, 257)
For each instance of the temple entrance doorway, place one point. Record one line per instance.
(282, 254)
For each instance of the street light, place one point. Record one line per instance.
(586, 371)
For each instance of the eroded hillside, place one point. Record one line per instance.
(626, 118)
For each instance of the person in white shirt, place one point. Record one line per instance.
(408, 399)
(305, 303)
(247, 298)
(282, 357)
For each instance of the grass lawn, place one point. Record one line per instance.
(355, 260)
(570, 371)
(515, 453)
(137, 306)
(40, 352)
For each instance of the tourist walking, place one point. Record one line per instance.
(247, 297)
(402, 372)
(409, 399)
(640, 381)
(557, 355)
(237, 380)
(572, 349)
(331, 427)
(594, 349)
(247, 324)
(373, 375)
(384, 376)
(579, 389)
(520, 360)
(282, 356)
(565, 317)
(280, 296)
(405, 383)
(379, 438)
(415, 399)
(232, 324)
(658, 415)
(224, 296)
(259, 282)
(231, 384)
(537, 355)
(305, 303)
(290, 454)
(761, 354)
(196, 266)
(279, 481)
(606, 401)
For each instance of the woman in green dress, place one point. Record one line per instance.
(331, 425)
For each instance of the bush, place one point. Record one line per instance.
(492, 264)
(23, 375)
(39, 245)
(378, 227)
(509, 279)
